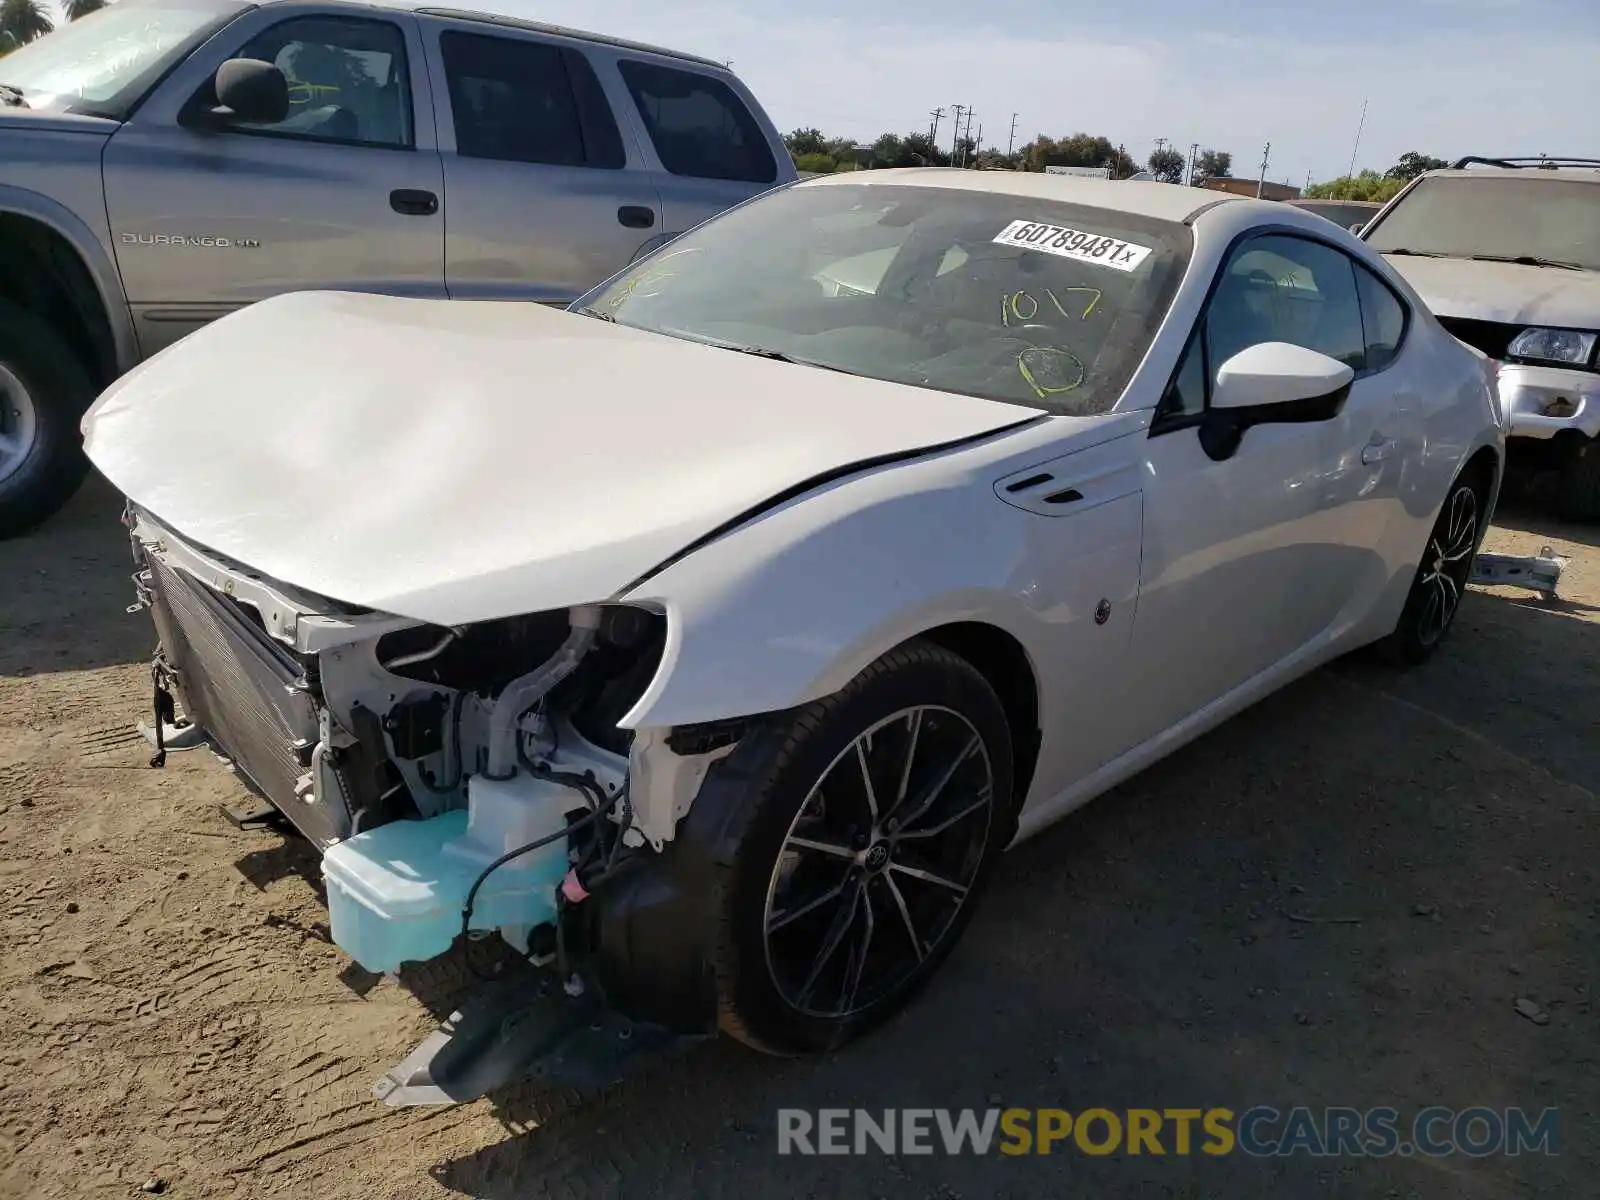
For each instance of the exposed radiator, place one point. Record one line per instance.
(237, 686)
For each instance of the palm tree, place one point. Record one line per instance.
(81, 8)
(21, 21)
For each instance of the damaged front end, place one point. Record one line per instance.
(460, 782)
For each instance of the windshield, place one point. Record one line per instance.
(1005, 297)
(102, 63)
(1500, 216)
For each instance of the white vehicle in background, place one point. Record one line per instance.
(1506, 252)
(1348, 214)
(711, 640)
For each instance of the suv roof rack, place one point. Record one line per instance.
(1538, 161)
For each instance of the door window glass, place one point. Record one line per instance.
(347, 80)
(1286, 289)
(517, 100)
(1384, 318)
(698, 126)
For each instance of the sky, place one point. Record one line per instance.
(1443, 77)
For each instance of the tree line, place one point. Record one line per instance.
(1370, 185)
(23, 21)
(814, 151)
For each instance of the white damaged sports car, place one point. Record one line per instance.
(710, 640)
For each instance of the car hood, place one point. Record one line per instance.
(1506, 292)
(456, 461)
(41, 121)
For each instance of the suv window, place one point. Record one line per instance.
(697, 125)
(517, 100)
(348, 80)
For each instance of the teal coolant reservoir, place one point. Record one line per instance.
(395, 893)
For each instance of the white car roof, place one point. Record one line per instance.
(1161, 201)
(1576, 174)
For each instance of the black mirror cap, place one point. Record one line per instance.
(251, 91)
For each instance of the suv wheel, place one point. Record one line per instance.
(1578, 489)
(43, 393)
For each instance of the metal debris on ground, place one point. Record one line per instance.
(1538, 572)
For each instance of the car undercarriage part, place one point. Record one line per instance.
(1538, 572)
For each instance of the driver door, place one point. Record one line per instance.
(347, 192)
(1252, 563)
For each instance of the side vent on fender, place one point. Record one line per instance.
(1075, 482)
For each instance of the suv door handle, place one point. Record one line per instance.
(413, 202)
(1375, 451)
(636, 216)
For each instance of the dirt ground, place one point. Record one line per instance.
(170, 1008)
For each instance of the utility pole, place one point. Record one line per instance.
(1359, 127)
(977, 145)
(1188, 172)
(1122, 153)
(1161, 144)
(955, 142)
(1266, 157)
(967, 140)
(1011, 141)
(933, 130)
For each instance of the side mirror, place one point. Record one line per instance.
(1271, 383)
(250, 91)
(1357, 226)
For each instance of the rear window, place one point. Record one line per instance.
(1510, 216)
(697, 124)
(517, 100)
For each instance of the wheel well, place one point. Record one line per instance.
(1001, 660)
(41, 272)
(1485, 463)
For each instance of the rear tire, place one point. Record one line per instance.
(899, 873)
(1578, 487)
(1441, 579)
(44, 391)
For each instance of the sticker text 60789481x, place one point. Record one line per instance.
(1111, 252)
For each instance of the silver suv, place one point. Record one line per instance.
(1506, 251)
(165, 162)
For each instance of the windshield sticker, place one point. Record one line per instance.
(1063, 242)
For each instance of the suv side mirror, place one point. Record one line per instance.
(250, 91)
(1267, 384)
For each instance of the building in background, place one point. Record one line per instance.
(1247, 187)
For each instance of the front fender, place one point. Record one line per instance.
(794, 605)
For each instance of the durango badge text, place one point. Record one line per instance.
(178, 239)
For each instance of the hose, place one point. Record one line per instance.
(505, 734)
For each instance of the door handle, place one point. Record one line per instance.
(636, 216)
(1376, 450)
(413, 202)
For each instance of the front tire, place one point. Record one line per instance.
(856, 859)
(1441, 579)
(43, 393)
